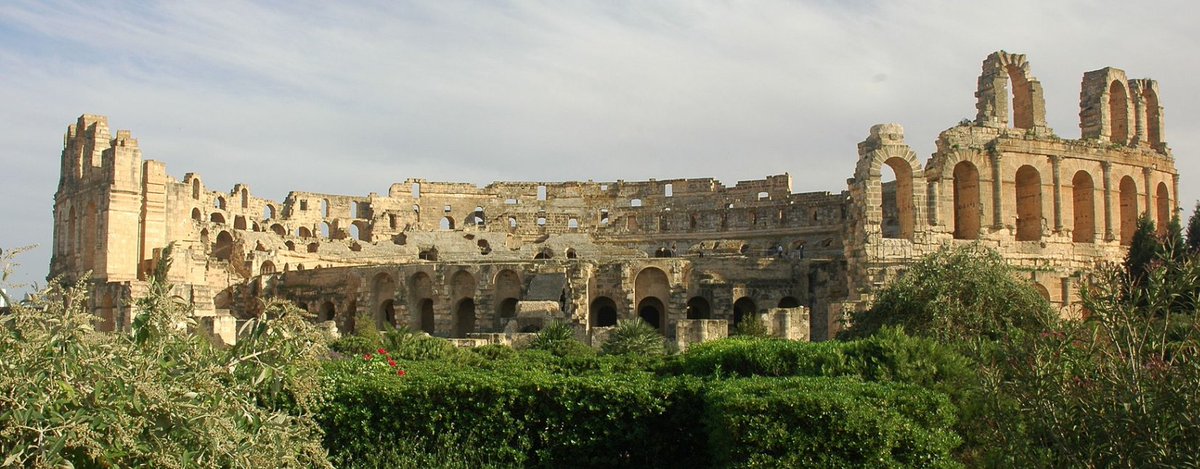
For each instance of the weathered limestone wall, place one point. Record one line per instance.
(686, 255)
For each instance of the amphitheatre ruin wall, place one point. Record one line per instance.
(693, 257)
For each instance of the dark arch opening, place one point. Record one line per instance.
(897, 199)
(507, 308)
(464, 318)
(1118, 112)
(744, 308)
(789, 302)
(652, 311)
(966, 201)
(603, 312)
(387, 312)
(1029, 204)
(1083, 204)
(427, 322)
(224, 247)
(1129, 210)
(327, 313)
(698, 308)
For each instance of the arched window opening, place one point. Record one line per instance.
(327, 313)
(1041, 290)
(652, 311)
(1118, 112)
(485, 248)
(355, 232)
(507, 309)
(325, 230)
(245, 198)
(268, 212)
(571, 253)
(967, 211)
(464, 318)
(387, 313)
(446, 224)
(572, 224)
(313, 247)
(541, 192)
(512, 223)
(603, 312)
(743, 309)
(216, 218)
(219, 203)
(668, 190)
(1153, 125)
(427, 320)
(699, 308)
(266, 268)
(1029, 204)
(1083, 205)
(1129, 210)
(303, 232)
(897, 189)
(545, 253)
(239, 222)
(224, 246)
(354, 208)
(290, 246)
(541, 222)
(1162, 202)
(392, 223)
(430, 254)
(325, 208)
(789, 302)
(604, 217)
(195, 188)
(278, 229)
(196, 215)
(1021, 116)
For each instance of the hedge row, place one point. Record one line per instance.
(517, 412)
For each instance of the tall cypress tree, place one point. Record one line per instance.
(1142, 249)
(1193, 230)
(1172, 245)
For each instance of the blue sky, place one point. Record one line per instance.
(348, 97)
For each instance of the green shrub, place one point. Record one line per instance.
(495, 352)
(957, 294)
(634, 337)
(828, 422)
(558, 338)
(752, 326)
(353, 345)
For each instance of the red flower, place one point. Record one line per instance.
(392, 363)
(367, 357)
(399, 372)
(382, 351)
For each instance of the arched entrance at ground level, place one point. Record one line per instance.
(652, 311)
(744, 308)
(1042, 291)
(224, 247)
(1129, 210)
(1029, 204)
(426, 315)
(1083, 197)
(387, 312)
(699, 308)
(603, 312)
(507, 308)
(1162, 201)
(327, 312)
(464, 318)
(966, 201)
(789, 302)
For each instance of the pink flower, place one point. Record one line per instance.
(382, 351)
(367, 357)
(392, 363)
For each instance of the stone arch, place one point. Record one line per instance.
(1153, 116)
(314, 247)
(245, 196)
(1029, 204)
(223, 248)
(420, 293)
(1162, 202)
(967, 208)
(699, 308)
(1083, 206)
(291, 246)
(744, 308)
(507, 289)
(571, 254)
(266, 268)
(898, 204)
(196, 188)
(220, 202)
(196, 215)
(387, 312)
(327, 312)
(652, 282)
(216, 217)
(359, 230)
(1118, 111)
(788, 302)
(464, 317)
(303, 232)
(268, 212)
(544, 253)
(1127, 197)
(325, 208)
(1042, 291)
(462, 285)
(383, 292)
(279, 229)
(653, 311)
(603, 312)
(447, 223)
(425, 318)
(239, 222)
(1000, 71)
(326, 230)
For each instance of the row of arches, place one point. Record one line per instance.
(602, 312)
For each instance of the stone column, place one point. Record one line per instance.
(997, 192)
(1146, 171)
(1108, 225)
(1055, 162)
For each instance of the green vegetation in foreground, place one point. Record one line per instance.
(959, 363)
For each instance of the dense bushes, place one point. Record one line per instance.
(824, 422)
